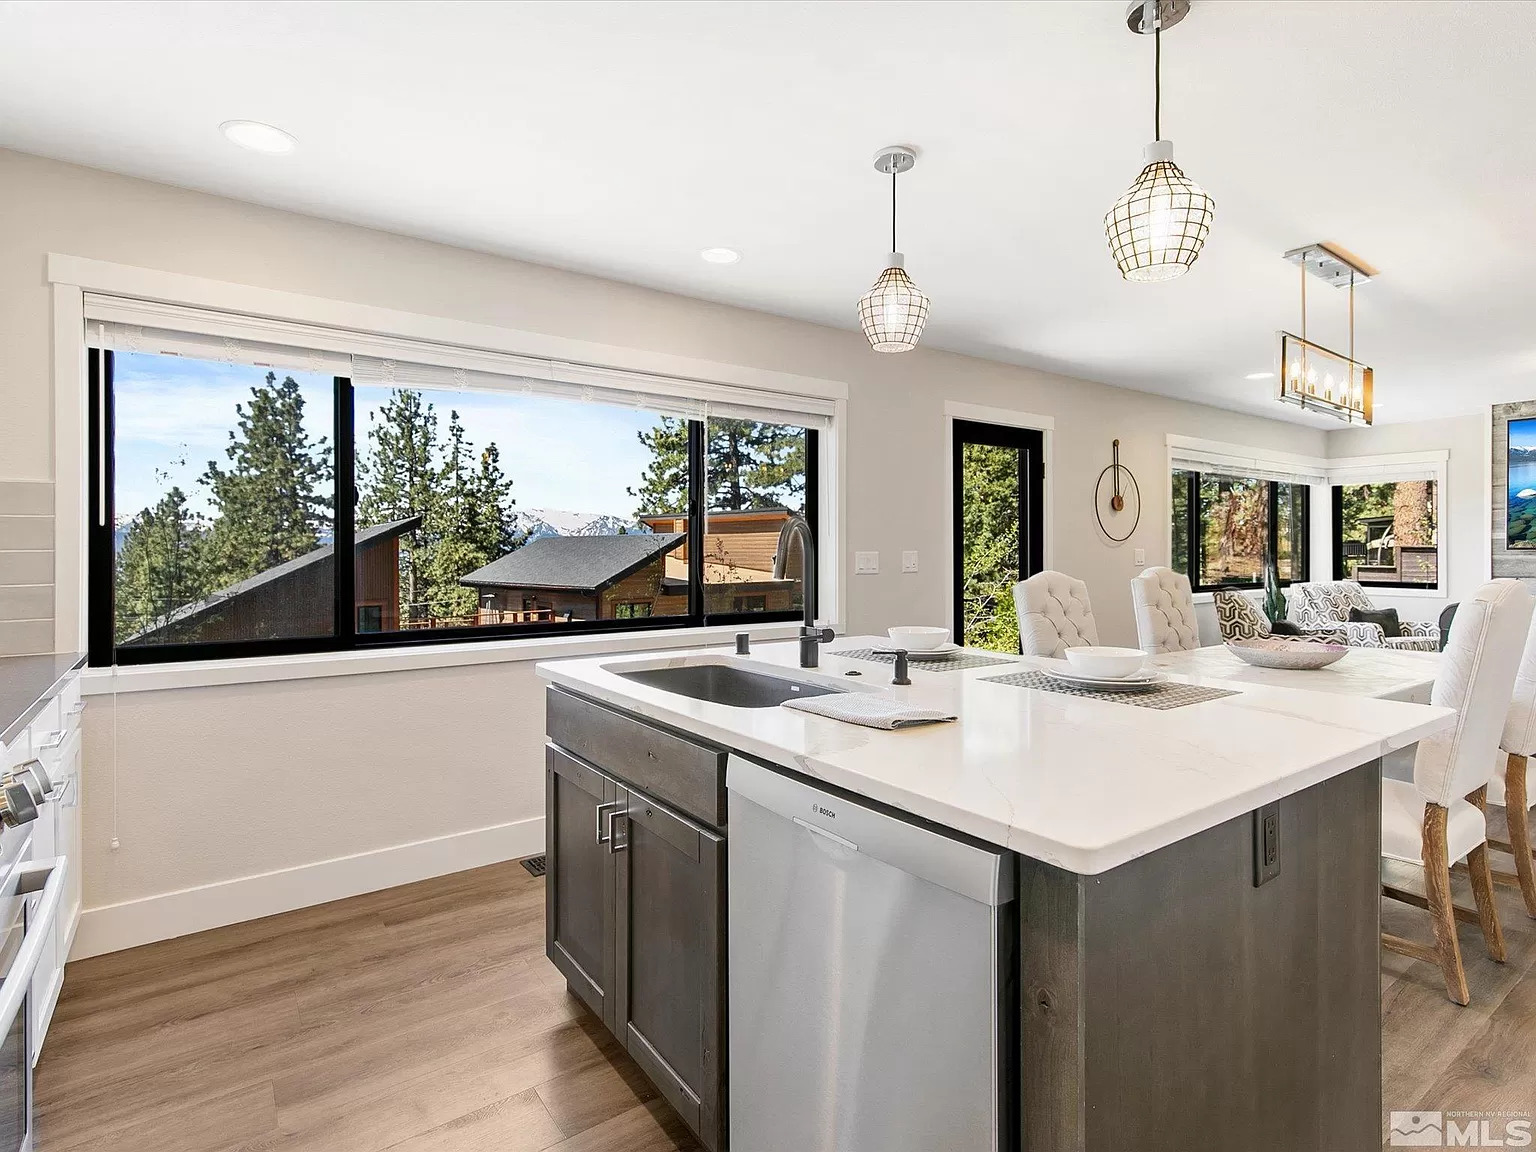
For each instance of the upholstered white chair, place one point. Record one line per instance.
(1509, 784)
(1054, 614)
(1165, 612)
(1439, 818)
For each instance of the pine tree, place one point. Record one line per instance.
(755, 465)
(469, 523)
(663, 489)
(398, 478)
(751, 465)
(270, 500)
(161, 566)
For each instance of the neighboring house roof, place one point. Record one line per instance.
(574, 563)
(363, 538)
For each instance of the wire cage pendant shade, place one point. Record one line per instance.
(893, 312)
(1158, 226)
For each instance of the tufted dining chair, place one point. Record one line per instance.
(1165, 612)
(1054, 614)
(1439, 818)
(1510, 785)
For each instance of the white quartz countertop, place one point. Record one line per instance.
(1084, 784)
(1387, 673)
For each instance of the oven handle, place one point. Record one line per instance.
(47, 875)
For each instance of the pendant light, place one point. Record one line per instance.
(1157, 228)
(893, 312)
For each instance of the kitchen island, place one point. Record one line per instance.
(1197, 887)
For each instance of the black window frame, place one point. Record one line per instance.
(1336, 499)
(1301, 548)
(1030, 445)
(103, 650)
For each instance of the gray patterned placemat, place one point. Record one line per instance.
(956, 663)
(1164, 696)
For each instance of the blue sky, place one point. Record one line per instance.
(175, 415)
(1522, 433)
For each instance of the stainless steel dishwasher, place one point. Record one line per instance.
(872, 977)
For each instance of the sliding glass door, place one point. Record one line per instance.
(999, 528)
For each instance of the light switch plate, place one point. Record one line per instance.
(1141, 556)
(866, 563)
(909, 561)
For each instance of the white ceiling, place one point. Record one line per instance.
(621, 138)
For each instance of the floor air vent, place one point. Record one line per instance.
(534, 864)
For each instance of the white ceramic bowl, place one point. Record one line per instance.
(918, 639)
(1106, 662)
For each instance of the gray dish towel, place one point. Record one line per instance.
(868, 709)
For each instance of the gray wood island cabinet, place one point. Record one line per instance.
(1197, 893)
(635, 895)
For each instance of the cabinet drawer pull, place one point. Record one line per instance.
(602, 810)
(614, 843)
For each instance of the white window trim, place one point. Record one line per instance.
(1008, 418)
(72, 276)
(410, 657)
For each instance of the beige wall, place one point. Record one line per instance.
(215, 784)
(1465, 547)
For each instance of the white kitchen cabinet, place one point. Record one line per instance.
(55, 740)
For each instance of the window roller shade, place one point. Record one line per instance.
(1220, 464)
(368, 358)
(684, 399)
(219, 349)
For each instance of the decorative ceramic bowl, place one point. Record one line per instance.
(1298, 655)
(1106, 662)
(918, 639)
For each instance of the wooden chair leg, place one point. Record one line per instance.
(1437, 887)
(1516, 812)
(1482, 887)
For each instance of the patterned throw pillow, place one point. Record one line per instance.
(1237, 617)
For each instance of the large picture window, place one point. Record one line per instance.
(1387, 535)
(223, 492)
(1226, 528)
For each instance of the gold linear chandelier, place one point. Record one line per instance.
(1318, 378)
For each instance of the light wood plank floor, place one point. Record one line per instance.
(426, 1018)
(415, 1019)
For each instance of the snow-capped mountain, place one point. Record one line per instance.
(541, 522)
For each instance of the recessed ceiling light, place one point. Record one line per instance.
(1259, 376)
(721, 255)
(258, 137)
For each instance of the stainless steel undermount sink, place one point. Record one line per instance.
(724, 684)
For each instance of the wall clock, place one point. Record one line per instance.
(1117, 500)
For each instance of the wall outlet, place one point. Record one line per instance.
(866, 563)
(1141, 556)
(909, 561)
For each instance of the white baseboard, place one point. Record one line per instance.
(114, 927)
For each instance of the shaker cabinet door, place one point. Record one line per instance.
(669, 999)
(579, 879)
